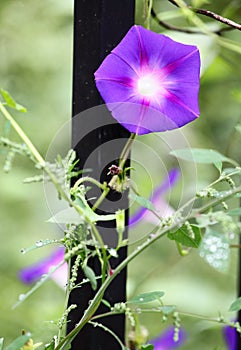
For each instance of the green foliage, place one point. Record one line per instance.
(19, 342)
(89, 273)
(236, 305)
(144, 202)
(147, 347)
(147, 297)
(215, 250)
(10, 101)
(187, 235)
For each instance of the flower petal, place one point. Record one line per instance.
(32, 273)
(150, 82)
(165, 340)
(230, 336)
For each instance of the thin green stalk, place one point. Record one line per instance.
(96, 324)
(148, 7)
(101, 198)
(22, 135)
(126, 150)
(88, 179)
(154, 237)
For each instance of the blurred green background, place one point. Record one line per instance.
(35, 66)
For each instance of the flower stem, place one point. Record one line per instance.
(154, 237)
(22, 135)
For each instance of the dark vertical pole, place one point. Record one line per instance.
(238, 337)
(99, 25)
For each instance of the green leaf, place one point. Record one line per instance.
(200, 155)
(234, 212)
(215, 250)
(236, 305)
(1, 343)
(187, 238)
(18, 343)
(142, 201)
(146, 297)
(89, 273)
(10, 101)
(167, 309)
(70, 216)
(50, 346)
(106, 303)
(147, 347)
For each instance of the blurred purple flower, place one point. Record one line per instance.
(165, 340)
(150, 82)
(32, 273)
(230, 336)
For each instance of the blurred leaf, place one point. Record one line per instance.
(199, 3)
(200, 155)
(50, 346)
(215, 250)
(144, 202)
(234, 212)
(229, 44)
(70, 216)
(147, 347)
(18, 343)
(146, 297)
(89, 273)
(1, 343)
(10, 101)
(238, 128)
(187, 238)
(236, 305)
(167, 309)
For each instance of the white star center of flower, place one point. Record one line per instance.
(148, 85)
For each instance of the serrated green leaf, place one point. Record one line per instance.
(215, 250)
(89, 273)
(18, 343)
(183, 236)
(147, 347)
(10, 101)
(146, 297)
(144, 202)
(1, 343)
(200, 155)
(236, 305)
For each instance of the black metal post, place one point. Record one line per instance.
(98, 26)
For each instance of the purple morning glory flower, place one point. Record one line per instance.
(150, 82)
(165, 340)
(230, 336)
(32, 273)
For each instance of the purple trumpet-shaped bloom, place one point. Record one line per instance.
(150, 82)
(32, 273)
(165, 340)
(230, 336)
